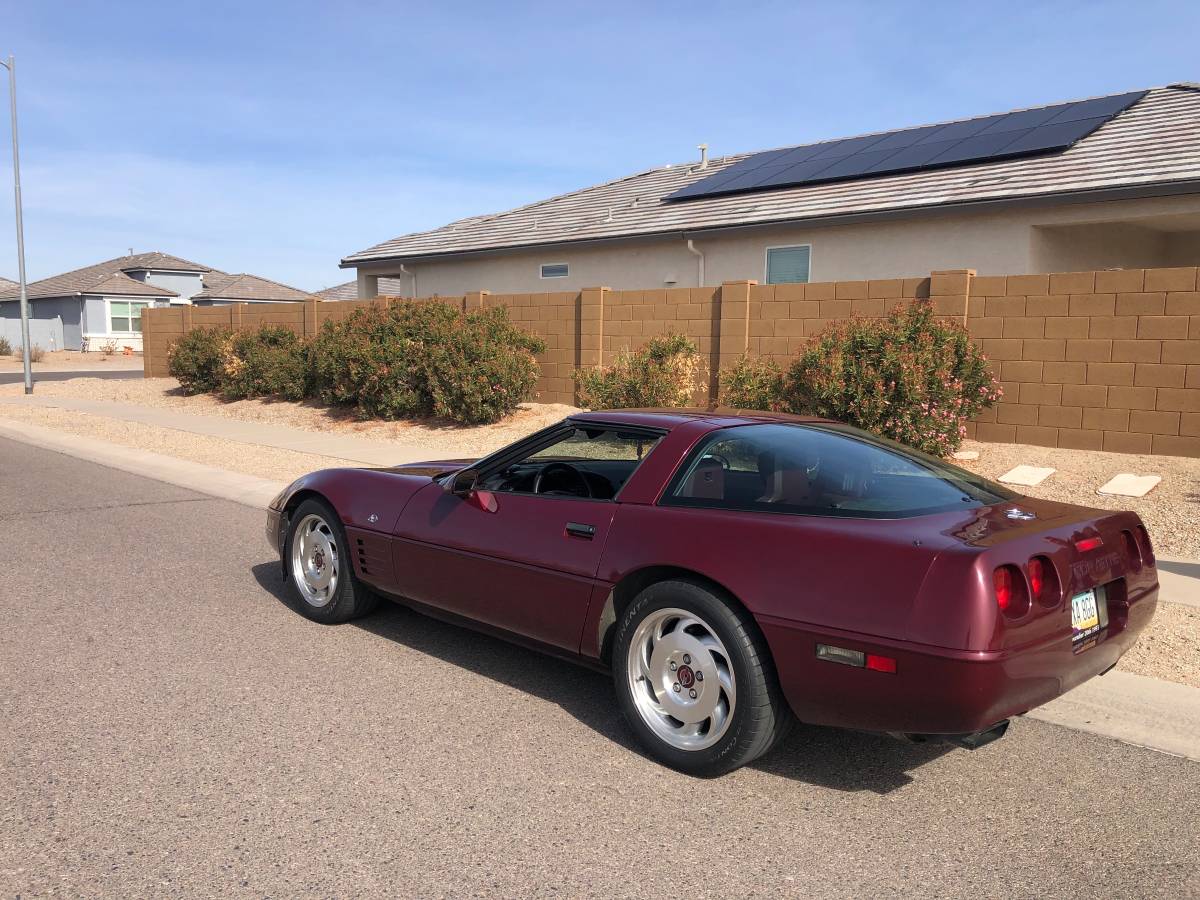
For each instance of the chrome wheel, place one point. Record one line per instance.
(681, 679)
(315, 561)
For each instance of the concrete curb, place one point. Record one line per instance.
(1179, 581)
(1132, 708)
(245, 489)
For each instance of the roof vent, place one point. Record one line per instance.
(703, 148)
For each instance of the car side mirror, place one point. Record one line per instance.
(461, 483)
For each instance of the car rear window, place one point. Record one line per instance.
(827, 470)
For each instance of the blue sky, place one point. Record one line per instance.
(276, 138)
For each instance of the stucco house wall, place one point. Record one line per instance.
(185, 284)
(1152, 232)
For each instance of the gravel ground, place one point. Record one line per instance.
(249, 459)
(444, 439)
(70, 359)
(1169, 648)
(1171, 511)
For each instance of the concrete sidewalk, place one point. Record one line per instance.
(282, 437)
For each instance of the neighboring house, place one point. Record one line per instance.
(388, 287)
(102, 304)
(7, 284)
(1106, 183)
(221, 290)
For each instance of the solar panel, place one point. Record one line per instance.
(1042, 130)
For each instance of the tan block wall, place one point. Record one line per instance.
(1106, 360)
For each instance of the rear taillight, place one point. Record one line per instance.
(1132, 550)
(1083, 545)
(1043, 581)
(1002, 580)
(1147, 547)
(1011, 595)
(1037, 578)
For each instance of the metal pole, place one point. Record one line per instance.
(12, 97)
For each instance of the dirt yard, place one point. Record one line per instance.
(71, 360)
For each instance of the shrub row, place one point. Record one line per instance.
(911, 377)
(393, 361)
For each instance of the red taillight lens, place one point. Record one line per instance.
(1086, 544)
(1003, 582)
(1011, 594)
(1037, 578)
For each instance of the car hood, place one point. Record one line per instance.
(429, 469)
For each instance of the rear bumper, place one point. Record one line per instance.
(937, 691)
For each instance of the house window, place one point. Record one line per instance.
(554, 270)
(788, 265)
(125, 317)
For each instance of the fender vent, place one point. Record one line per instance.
(362, 557)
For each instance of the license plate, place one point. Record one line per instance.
(1085, 615)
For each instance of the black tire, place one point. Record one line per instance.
(760, 717)
(349, 598)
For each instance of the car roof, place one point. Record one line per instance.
(720, 417)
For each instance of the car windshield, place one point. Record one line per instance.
(823, 469)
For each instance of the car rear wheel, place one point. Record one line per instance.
(695, 680)
(319, 569)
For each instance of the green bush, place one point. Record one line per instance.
(753, 383)
(407, 358)
(6, 348)
(910, 377)
(663, 373)
(197, 359)
(269, 362)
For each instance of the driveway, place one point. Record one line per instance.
(169, 726)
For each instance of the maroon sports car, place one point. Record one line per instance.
(734, 570)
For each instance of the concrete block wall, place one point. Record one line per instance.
(1106, 360)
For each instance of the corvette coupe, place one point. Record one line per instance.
(738, 571)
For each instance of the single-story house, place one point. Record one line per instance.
(348, 290)
(1108, 182)
(222, 290)
(102, 304)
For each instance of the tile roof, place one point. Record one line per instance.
(7, 284)
(87, 279)
(388, 287)
(221, 286)
(1153, 144)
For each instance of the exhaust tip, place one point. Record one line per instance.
(979, 738)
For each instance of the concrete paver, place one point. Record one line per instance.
(170, 727)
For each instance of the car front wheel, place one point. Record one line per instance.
(319, 568)
(695, 680)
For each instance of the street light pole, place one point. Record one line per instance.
(12, 97)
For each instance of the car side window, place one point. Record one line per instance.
(591, 463)
(820, 470)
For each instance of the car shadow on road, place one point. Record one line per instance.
(825, 757)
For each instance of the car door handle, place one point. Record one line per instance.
(578, 529)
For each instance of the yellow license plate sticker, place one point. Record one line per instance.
(1085, 615)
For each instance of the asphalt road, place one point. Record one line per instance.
(169, 726)
(19, 377)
